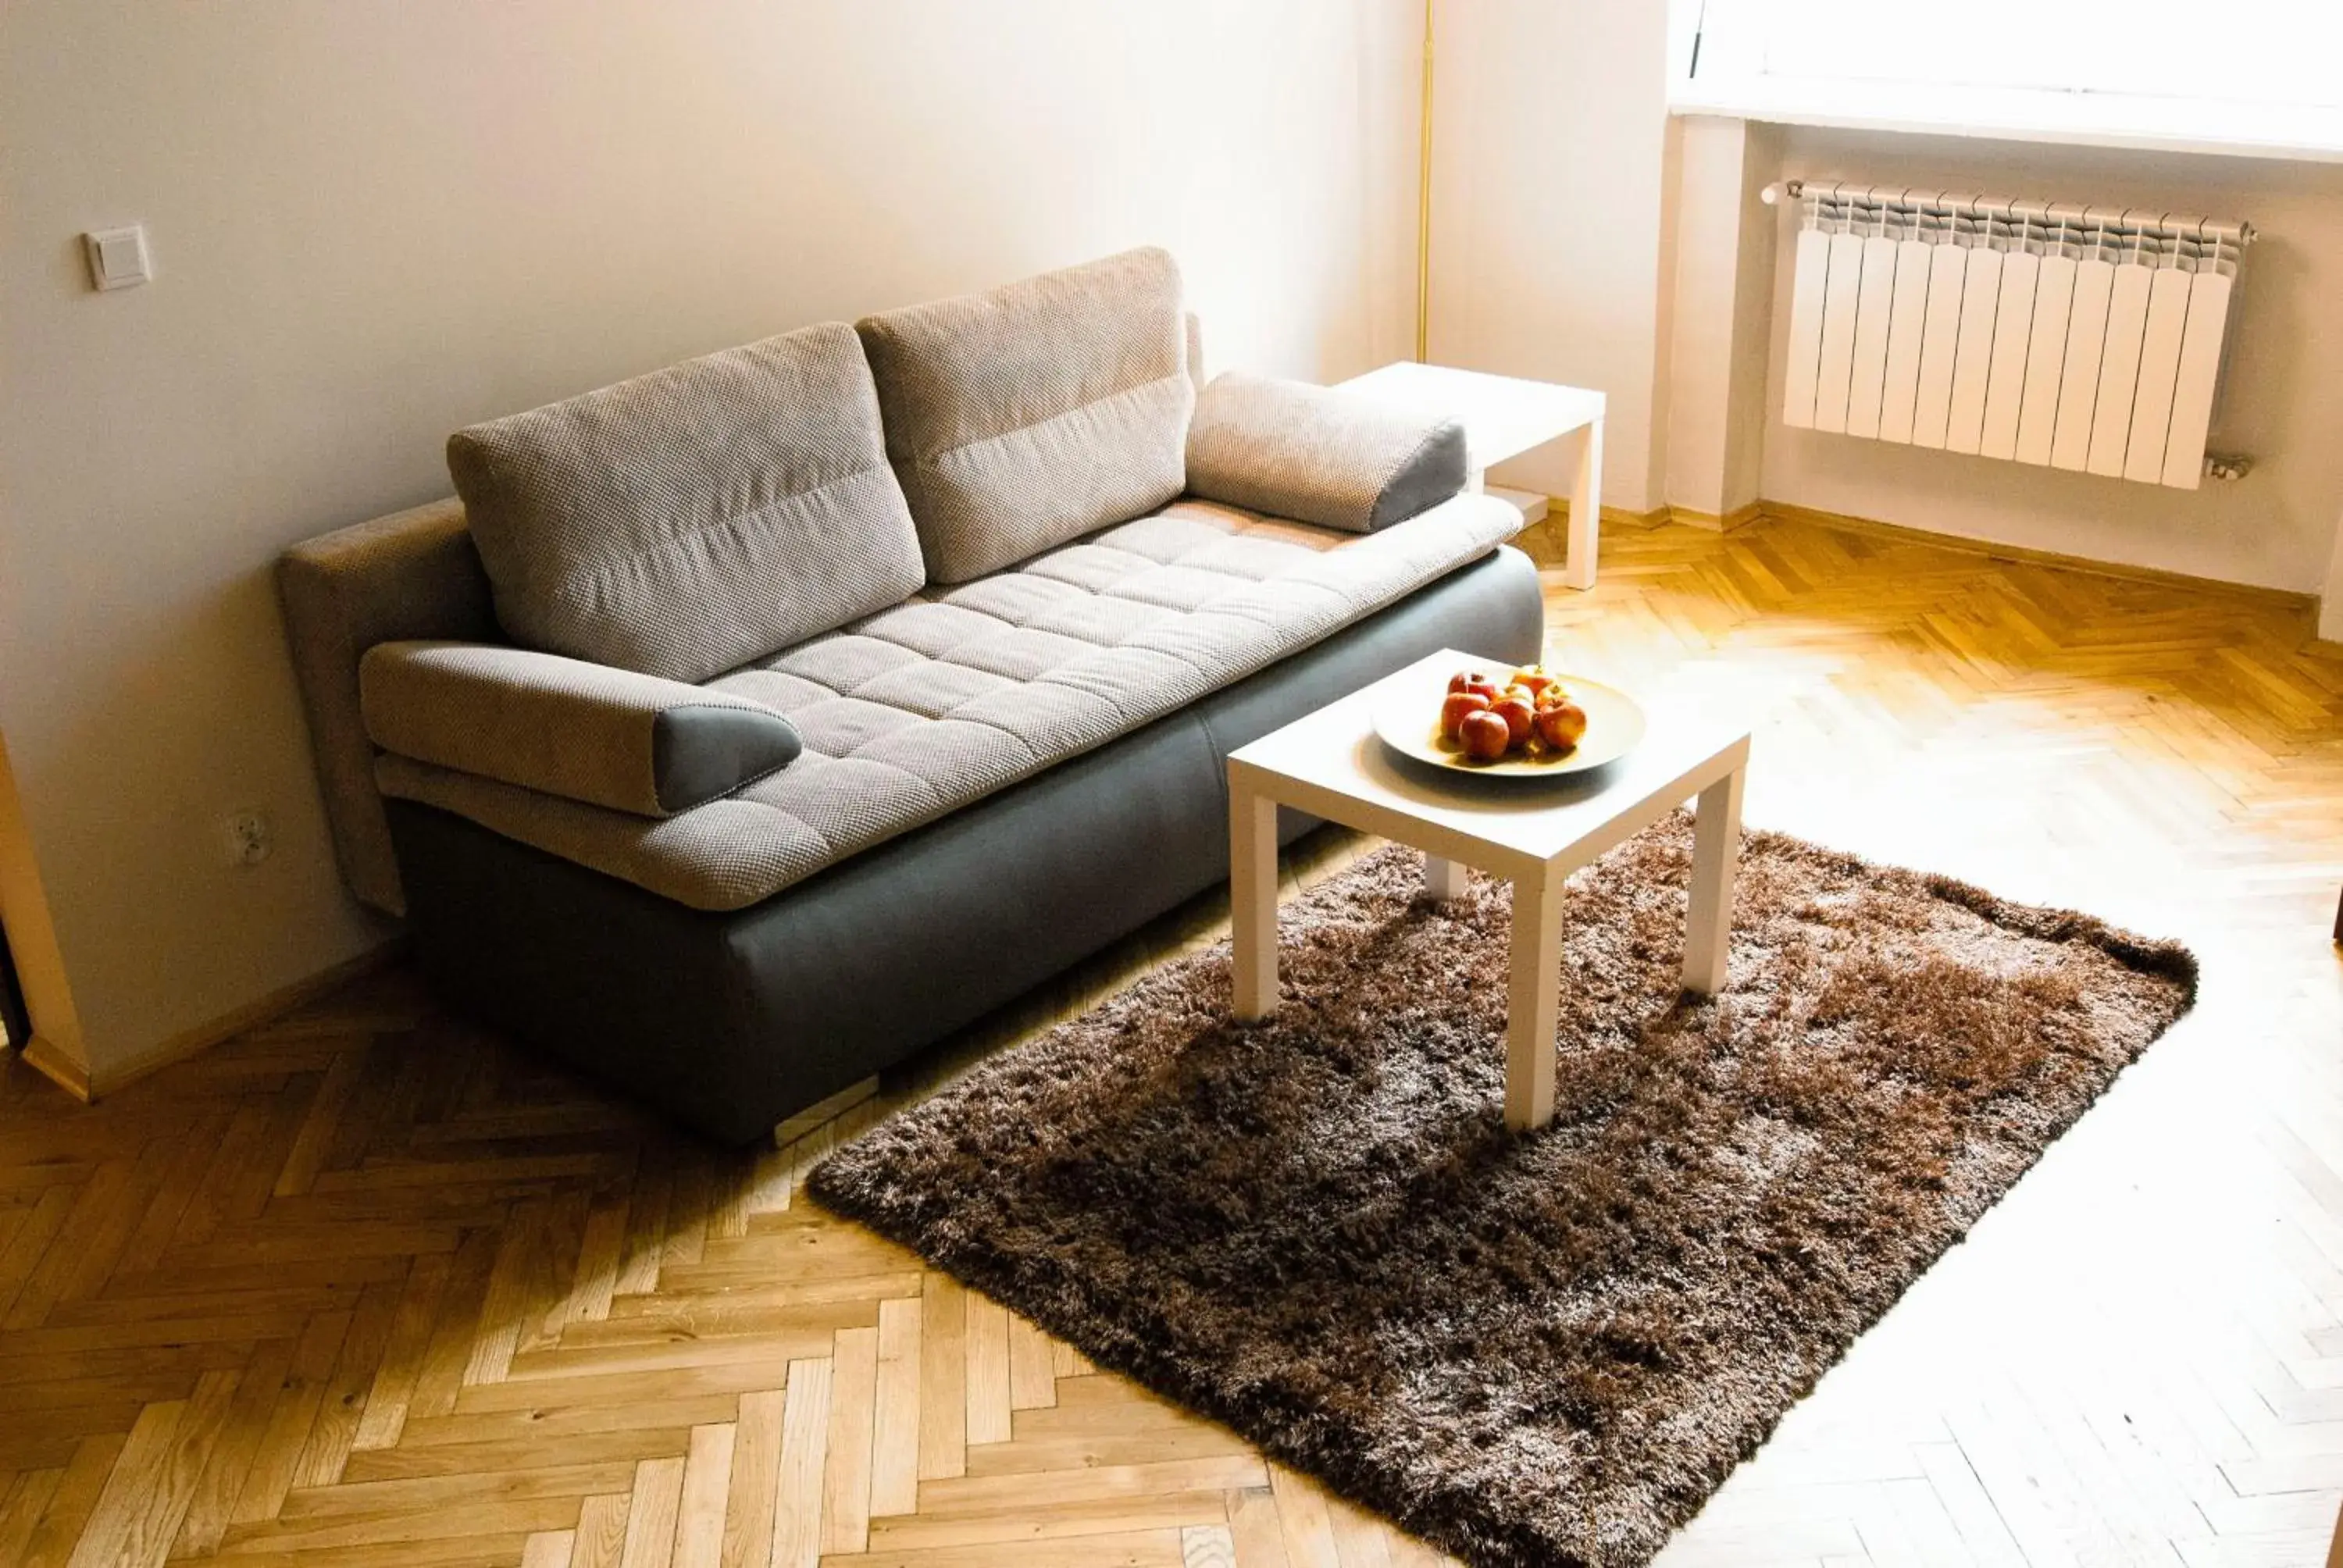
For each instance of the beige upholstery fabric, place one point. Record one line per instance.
(688, 520)
(413, 574)
(1319, 454)
(584, 731)
(939, 700)
(1026, 417)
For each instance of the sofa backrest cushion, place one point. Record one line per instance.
(685, 522)
(1025, 417)
(1319, 453)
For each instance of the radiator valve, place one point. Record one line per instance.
(2227, 465)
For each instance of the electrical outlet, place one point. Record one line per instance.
(249, 837)
(2227, 465)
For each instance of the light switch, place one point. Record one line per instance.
(117, 256)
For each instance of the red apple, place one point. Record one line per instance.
(1561, 725)
(1486, 737)
(1516, 710)
(1534, 679)
(1460, 706)
(1463, 679)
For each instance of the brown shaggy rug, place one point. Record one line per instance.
(1542, 1350)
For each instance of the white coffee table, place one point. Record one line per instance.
(1504, 417)
(1536, 834)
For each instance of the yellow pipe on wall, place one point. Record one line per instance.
(1424, 206)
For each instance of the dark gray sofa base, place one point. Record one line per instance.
(729, 1022)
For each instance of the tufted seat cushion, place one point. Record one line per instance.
(940, 700)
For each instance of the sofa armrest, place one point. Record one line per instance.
(584, 731)
(410, 575)
(1318, 454)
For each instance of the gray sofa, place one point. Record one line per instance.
(742, 729)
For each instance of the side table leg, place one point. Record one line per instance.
(1585, 510)
(1442, 880)
(1531, 1010)
(1252, 900)
(1715, 855)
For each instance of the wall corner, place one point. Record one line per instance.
(1722, 295)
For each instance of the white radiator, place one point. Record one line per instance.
(2075, 338)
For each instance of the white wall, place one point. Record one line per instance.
(2283, 405)
(377, 220)
(1549, 248)
(1724, 293)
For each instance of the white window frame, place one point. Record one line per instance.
(2299, 132)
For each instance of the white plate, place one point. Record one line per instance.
(1407, 717)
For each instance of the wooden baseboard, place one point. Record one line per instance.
(1558, 511)
(76, 1079)
(1714, 522)
(1840, 521)
(43, 1057)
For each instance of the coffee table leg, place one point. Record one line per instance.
(1442, 880)
(1531, 1010)
(1252, 900)
(1715, 854)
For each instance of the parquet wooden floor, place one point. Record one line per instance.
(363, 1287)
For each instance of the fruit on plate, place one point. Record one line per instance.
(1535, 679)
(1479, 682)
(1487, 736)
(1561, 725)
(1531, 714)
(1519, 712)
(1459, 707)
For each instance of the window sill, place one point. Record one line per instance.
(2080, 119)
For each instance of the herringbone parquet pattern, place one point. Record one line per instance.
(363, 1287)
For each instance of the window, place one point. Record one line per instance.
(2259, 74)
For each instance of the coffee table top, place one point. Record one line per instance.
(1332, 764)
(1502, 416)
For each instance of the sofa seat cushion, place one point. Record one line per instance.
(959, 691)
(1034, 413)
(688, 520)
